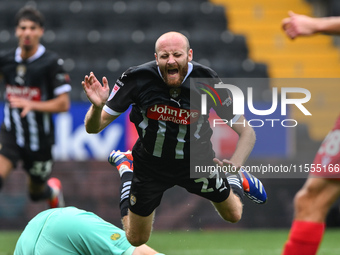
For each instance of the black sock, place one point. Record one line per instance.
(124, 189)
(236, 185)
(1, 182)
(46, 194)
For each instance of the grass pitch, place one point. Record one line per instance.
(234, 242)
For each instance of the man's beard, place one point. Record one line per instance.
(175, 83)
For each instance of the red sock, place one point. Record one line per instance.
(304, 238)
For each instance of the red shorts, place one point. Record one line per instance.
(327, 160)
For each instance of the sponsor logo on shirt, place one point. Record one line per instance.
(114, 91)
(173, 114)
(63, 77)
(29, 93)
(227, 102)
(120, 82)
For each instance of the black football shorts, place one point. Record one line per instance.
(38, 164)
(153, 176)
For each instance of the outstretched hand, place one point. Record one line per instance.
(298, 25)
(95, 91)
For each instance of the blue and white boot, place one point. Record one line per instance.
(252, 187)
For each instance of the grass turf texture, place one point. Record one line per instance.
(240, 242)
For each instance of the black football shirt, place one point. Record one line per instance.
(169, 121)
(39, 78)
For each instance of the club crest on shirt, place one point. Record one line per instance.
(175, 92)
(21, 70)
(115, 236)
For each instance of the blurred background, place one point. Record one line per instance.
(238, 39)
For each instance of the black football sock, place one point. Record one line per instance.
(46, 194)
(1, 181)
(236, 185)
(124, 188)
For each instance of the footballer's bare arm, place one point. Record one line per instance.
(244, 146)
(96, 119)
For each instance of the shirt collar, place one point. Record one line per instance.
(41, 50)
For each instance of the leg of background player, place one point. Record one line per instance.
(50, 191)
(5, 169)
(311, 205)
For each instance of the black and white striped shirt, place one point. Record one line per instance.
(39, 78)
(169, 121)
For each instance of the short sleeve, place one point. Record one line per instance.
(122, 94)
(60, 79)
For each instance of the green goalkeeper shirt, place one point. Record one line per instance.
(71, 231)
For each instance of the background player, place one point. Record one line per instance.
(163, 151)
(70, 230)
(315, 198)
(36, 87)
